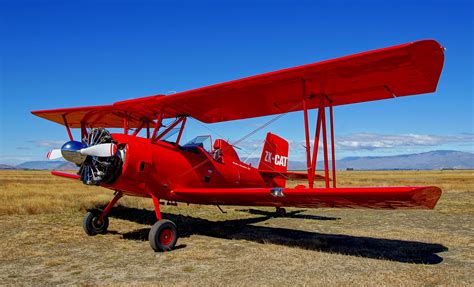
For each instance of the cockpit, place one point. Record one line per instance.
(218, 151)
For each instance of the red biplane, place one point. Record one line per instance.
(151, 166)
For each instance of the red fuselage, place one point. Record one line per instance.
(161, 166)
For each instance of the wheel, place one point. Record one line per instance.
(163, 235)
(91, 226)
(280, 212)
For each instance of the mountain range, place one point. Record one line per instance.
(43, 165)
(440, 159)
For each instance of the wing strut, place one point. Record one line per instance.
(175, 123)
(183, 123)
(140, 127)
(333, 152)
(125, 124)
(83, 130)
(320, 124)
(325, 145)
(67, 128)
(306, 132)
(147, 129)
(157, 127)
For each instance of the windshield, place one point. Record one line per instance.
(203, 141)
(198, 140)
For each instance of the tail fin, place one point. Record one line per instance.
(275, 157)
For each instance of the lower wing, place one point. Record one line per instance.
(423, 197)
(65, 174)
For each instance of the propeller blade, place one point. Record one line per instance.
(54, 154)
(100, 150)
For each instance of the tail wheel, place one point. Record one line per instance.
(163, 235)
(91, 223)
(280, 212)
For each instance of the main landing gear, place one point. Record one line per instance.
(163, 234)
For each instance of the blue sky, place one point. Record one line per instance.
(74, 53)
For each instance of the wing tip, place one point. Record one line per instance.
(427, 196)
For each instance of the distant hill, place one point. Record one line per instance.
(428, 160)
(440, 159)
(6, 166)
(47, 165)
(67, 166)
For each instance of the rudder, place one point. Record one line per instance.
(274, 156)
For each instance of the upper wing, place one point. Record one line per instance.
(407, 69)
(96, 116)
(358, 197)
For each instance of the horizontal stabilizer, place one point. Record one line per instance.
(423, 197)
(289, 175)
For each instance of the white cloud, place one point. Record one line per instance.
(373, 141)
(368, 143)
(249, 149)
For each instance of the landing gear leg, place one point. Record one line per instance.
(163, 234)
(96, 222)
(280, 212)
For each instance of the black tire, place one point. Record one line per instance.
(90, 225)
(280, 212)
(163, 235)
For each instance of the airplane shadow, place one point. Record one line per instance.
(242, 229)
(289, 214)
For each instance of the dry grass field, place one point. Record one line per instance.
(42, 241)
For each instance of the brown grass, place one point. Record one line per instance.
(43, 242)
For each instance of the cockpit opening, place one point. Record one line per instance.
(205, 143)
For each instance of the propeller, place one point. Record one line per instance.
(54, 154)
(102, 150)
(97, 155)
(71, 153)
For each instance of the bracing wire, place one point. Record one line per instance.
(242, 139)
